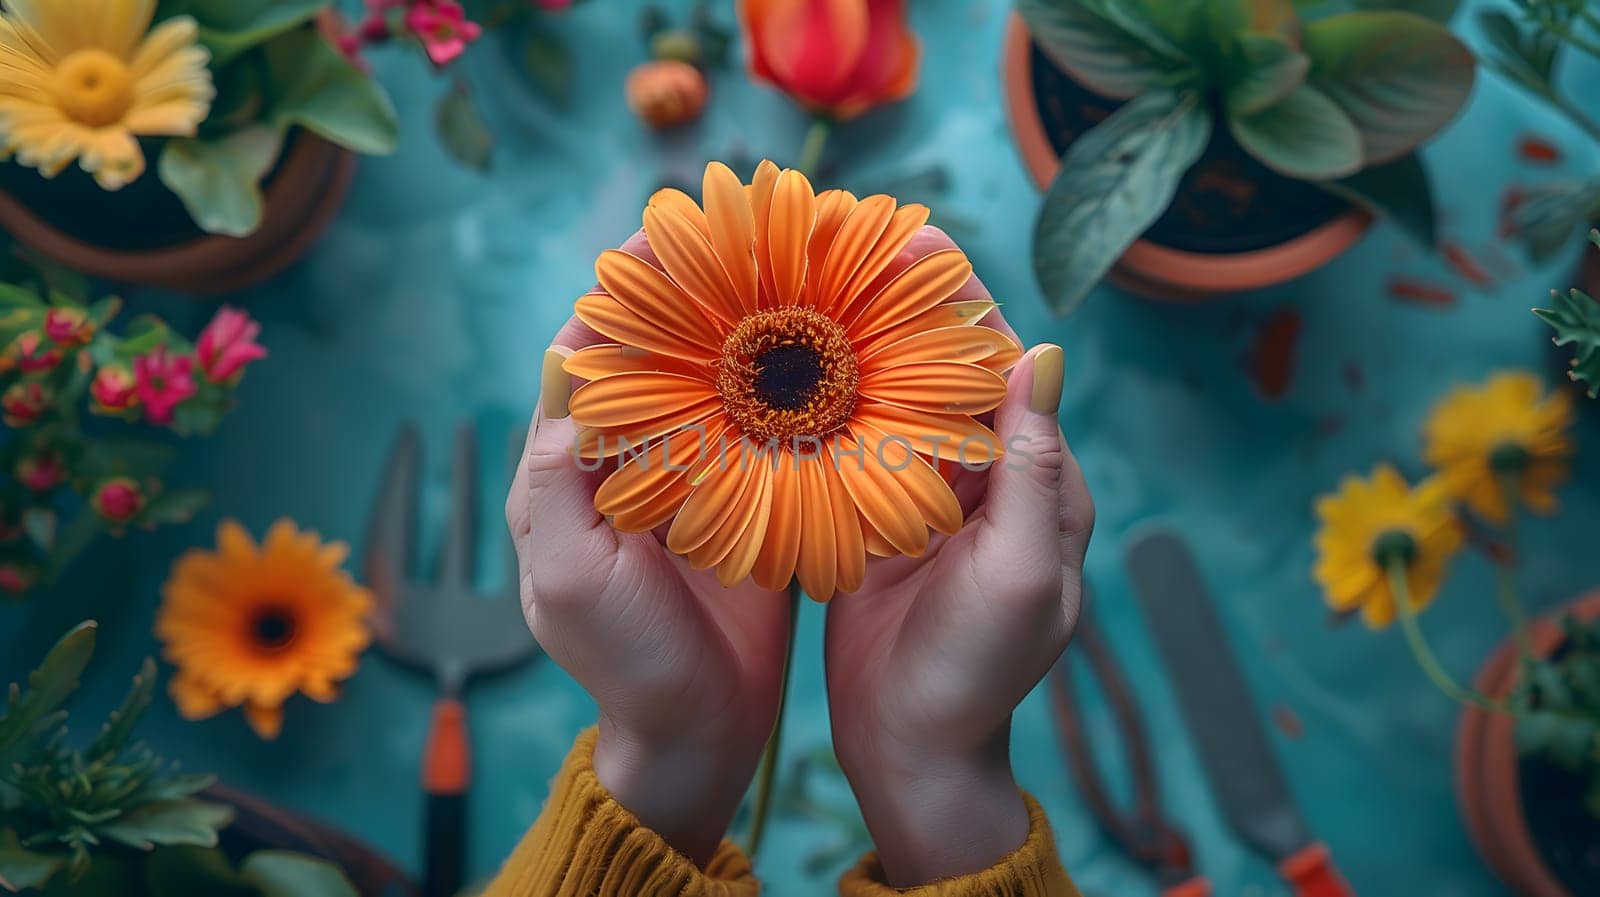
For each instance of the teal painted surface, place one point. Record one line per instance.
(435, 293)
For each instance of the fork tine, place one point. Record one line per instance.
(458, 558)
(392, 529)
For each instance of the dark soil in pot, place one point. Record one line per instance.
(1228, 202)
(141, 216)
(1566, 832)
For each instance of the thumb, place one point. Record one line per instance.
(1025, 485)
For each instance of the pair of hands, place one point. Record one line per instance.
(925, 663)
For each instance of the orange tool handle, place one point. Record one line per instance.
(1194, 887)
(447, 756)
(1312, 874)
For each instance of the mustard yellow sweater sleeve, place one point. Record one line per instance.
(1032, 870)
(585, 844)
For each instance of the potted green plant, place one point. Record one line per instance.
(195, 144)
(1575, 317)
(1199, 147)
(1529, 48)
(113, 819)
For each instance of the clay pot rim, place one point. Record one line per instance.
(209, 262)
(1485, 743)
(1207, 273)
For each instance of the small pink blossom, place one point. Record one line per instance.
(228, 344)
(33, 356)
(68, 326)
(25, 403)
(16, 579)
(553, 5)
(443, 28)
(163, 382)
(118, 500)
(42, 472)
(114, 389)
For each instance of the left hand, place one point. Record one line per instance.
(927, 661)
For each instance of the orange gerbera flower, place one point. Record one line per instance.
(785, 381)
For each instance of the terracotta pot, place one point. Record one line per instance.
(260, 826)
(1150, 269)
(1488, 781)
(302, 196)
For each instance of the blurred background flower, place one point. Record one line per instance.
(838, 59)
(1501, 444)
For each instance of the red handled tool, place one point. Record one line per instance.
(442, 628)
(1140, 831)
(1221, 715)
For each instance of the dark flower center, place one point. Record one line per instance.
(787, 373)
(1508, 459)
(1392, 546)
(787, 376)
(273, 629)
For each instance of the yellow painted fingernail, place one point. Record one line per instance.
(555, 385)
(1049, 367)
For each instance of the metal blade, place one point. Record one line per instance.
(1216, 702)
(458, 558)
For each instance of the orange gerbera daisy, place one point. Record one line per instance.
(249, 626)
(784, 382)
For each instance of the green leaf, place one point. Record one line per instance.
(21, 868)
(1400, 191)
(311, 84)
(1399, 77)
(1550, 214)
(1575, 317)
(462, 130)
(1438, 10)
(279, 873)
(176, 506)
(1091, 46)
(50, 685)
(232, 27)
(1273, 70)
(1305, 136)
(13, 297)
(1115, 181)
(548, 63)
(168, 823)
(1568, 740)
(219, 179)
(119, 725)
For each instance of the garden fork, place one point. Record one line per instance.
(442, 628)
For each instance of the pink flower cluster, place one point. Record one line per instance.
(441, 26)
(162, 380)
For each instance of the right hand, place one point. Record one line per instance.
(686, 674)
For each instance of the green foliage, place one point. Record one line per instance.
(1114, 183)
(462, 129)
(1557, 703)
(1575, 316)
(113, 819)
(1323, 101)
(274, 72)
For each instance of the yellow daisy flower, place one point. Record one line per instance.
(248, 626)
(1504, 433)
(82, 79)
(1369, 522)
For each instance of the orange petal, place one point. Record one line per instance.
(858, 234)
(742, 559)
(645, 290)
(882, 500)
(742, 513)
(643, 477)
(776, 562)
(657, 511)
(934, 498)
(266, 720)
(850, 550)
(929, 281)
(733, 231)
(956, 437)
(594, 362)
(671, 199)
(685, 250)
(964, 344)
(905, 223)
(818, 561)
(709, 506)
(607, 442)
(761, 187)
(965, 313)
(793, 214)
(873, 541)
(936, 386)
(630, 398)
(614, 320)
(833, 207)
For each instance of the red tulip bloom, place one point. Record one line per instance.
(838, 58)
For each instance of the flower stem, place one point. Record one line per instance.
(768, 776)
(816, 141)
(1400, 589)
(1505, 582)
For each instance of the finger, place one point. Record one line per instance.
(1075, 519)
(1022, 508)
